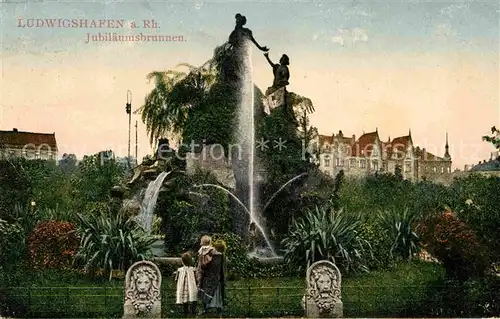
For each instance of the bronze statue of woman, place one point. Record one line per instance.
(240, 34)
(234, 50)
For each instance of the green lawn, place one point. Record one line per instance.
(398, 292)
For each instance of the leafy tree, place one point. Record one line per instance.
(13, 246)
(167, 109)
(387, 191)
(16, 186)
(335, 199)
(302, 107)
(398, 172)
(95, 177)
(23, 181)
(494, 138)
(68, 163)
(187, 212)
(476, 201)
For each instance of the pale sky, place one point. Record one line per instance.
(432, 67)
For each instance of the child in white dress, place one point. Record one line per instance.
(187, 291)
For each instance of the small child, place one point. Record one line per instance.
(205, 252)
(187, 290)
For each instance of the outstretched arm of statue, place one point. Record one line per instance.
(269, 60)
(265, 49)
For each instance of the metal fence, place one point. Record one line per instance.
(281, 301)
(85, 302)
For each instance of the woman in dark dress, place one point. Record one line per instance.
(211, 287)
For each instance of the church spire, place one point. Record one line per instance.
(447, 148)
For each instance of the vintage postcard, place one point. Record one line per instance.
(145, 129)
(391, 67)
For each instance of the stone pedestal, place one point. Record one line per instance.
(322, 298)
(142, 291)
(273, 99)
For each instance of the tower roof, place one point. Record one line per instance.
(447, 148)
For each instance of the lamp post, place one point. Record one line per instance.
(128, 109)
(136, 160)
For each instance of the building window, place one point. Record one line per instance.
(442, 170)
(362, 164)
(327, 162)
(375, 165)
(434, 169)
(408, 167)
(352, 163)
(340, 162)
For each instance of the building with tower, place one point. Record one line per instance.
(369, 154)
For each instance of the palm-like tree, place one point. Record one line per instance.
(166, 109)
(302, 107)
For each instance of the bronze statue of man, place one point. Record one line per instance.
(280, 71)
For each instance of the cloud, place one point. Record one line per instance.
(450, 10)
(356, 11)
(445, 30)
(350, 36)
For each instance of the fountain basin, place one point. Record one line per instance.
(270, 260)
(172, 261)
(158, 248)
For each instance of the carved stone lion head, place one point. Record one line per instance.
(323, 285)
(143, 283)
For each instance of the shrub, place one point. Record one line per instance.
(380, 243)
(188, 212)
(55, 214)
(455, 244)
(12, 244)
(459, 299)
(111, 242)
(327, 235)
(241, 265)
(53, 244)
(238, 262)
(478, 205)
(399, 225)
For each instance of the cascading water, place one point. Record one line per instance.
(257, 223)
(146, 215)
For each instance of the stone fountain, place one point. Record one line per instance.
(242, 173)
